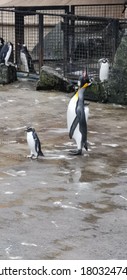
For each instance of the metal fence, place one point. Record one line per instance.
(68, 40)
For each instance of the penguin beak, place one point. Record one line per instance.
(90, 84)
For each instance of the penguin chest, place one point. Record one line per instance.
(31, 143)
(104, 71)
(71, 112)
(24, 62)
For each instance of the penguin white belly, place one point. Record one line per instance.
(104, 71)
(31, 143)
(71, 114)
(8, 55)
(24, 62)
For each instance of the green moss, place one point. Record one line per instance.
(116, 87)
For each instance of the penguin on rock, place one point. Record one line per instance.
(33, 143)
(6, 53)
(77, 116)
(104, 69)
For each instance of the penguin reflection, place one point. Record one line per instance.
(77, 116)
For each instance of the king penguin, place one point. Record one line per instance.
(104, 69)
(26, 60)
(6, 53)
(33, 143)
(77, 116)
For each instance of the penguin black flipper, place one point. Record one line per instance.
(37, 144)
(83, 130)
(73, 127)
(30, 62)
(82, 119)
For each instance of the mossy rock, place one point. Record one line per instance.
(8, 74)
(50, 79)
(96, 92)
(116, 87)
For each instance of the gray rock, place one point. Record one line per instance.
(51, 79)
(8, 74)
(53, 49)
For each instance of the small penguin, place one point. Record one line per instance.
(77, 116)
(6, 53)
(33, 143)
(26, 60)
(104, 69)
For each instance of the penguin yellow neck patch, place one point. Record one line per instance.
(76, 95)
(84, 86)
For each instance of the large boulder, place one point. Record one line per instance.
(8, 74)
(116, 87)
(52, 50)
(51, 79)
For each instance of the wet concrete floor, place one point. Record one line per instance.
(59, 206)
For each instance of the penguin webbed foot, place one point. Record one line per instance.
(29, 156)
(75, 152)
(32, 156)
(41, 154)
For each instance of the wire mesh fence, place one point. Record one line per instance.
(106, 11)
(70, 40)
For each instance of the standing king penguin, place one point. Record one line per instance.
(33, 143)
(77, 116)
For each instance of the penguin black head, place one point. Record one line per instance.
(103, 60)
(24, 48)
(1, 41)
(29, 129)
(83, 79)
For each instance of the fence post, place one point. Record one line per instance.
(19, 33)
(66, 41)
(41, 40)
